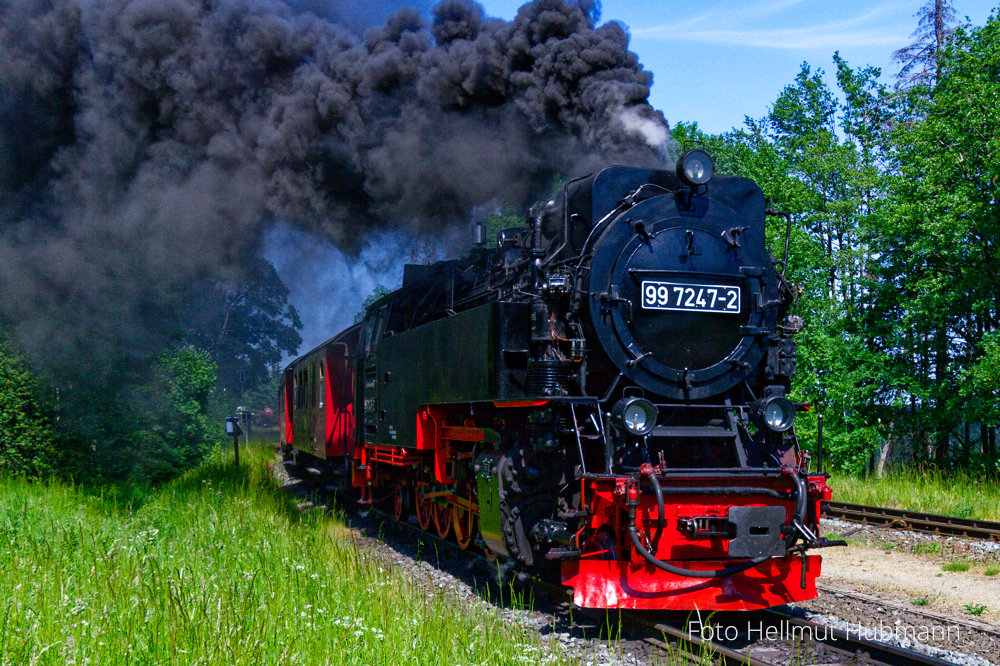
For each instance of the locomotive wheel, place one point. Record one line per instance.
(401, 503)
(442, 519)
(463, 522)
(424, 509)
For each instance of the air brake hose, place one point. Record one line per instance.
(797, 521)
(799, 516)
(650, 473)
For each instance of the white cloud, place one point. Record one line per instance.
(764, 24)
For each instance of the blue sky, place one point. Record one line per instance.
(715, 62)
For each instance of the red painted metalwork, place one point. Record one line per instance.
(641, 586)
(397, 456)
(520, 403)
(610, 574)
(426, 430)
(423, 508)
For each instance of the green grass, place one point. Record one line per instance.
(923, 600)
(956, 566)
(218, 567)
(925, 547)
(952, 494)
(992, 571)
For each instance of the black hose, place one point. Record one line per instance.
(798, 522)
(651, 475)
(799, 515)
(687, 573)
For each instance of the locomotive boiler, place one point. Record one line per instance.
(603, 396)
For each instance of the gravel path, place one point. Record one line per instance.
(908, 566)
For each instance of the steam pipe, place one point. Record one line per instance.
(799, 516)
(725, 490)
(536, 232)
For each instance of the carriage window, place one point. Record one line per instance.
(372, 329)
(320, 388)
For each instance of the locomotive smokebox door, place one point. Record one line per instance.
(677, 302)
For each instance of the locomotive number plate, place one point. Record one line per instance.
(687, 297)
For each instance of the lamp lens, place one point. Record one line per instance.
(636, 417)
(779, 414)
(698, 167)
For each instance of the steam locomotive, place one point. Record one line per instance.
(602, 397)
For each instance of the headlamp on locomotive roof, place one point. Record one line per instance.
(776, 413)
(636, 415)
(695, 168)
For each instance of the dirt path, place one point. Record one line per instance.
(905, 576)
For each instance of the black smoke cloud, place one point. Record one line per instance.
(148, 145)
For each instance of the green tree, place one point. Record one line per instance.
(247, 329)
(378, 292)
(938, 267)
(31, 440)
(157, 424)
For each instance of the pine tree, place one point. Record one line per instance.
(920, 60)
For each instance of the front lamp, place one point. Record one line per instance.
(776, 413)
(636, 415)
(695, 168)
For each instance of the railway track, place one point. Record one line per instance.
(796, 640)
(913, 520)
(789, 640)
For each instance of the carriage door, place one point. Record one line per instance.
(288, 406)
(339, 402)
(368, 379)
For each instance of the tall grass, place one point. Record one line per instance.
(218, 567)
(949, 493)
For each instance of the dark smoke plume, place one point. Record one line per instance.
(147, 146)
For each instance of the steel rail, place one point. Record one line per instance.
(693, 647)
(673, 634)
(913, 520)
(857, 648)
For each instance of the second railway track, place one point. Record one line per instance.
(913, 520)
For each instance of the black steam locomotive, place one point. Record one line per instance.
(603, 394)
